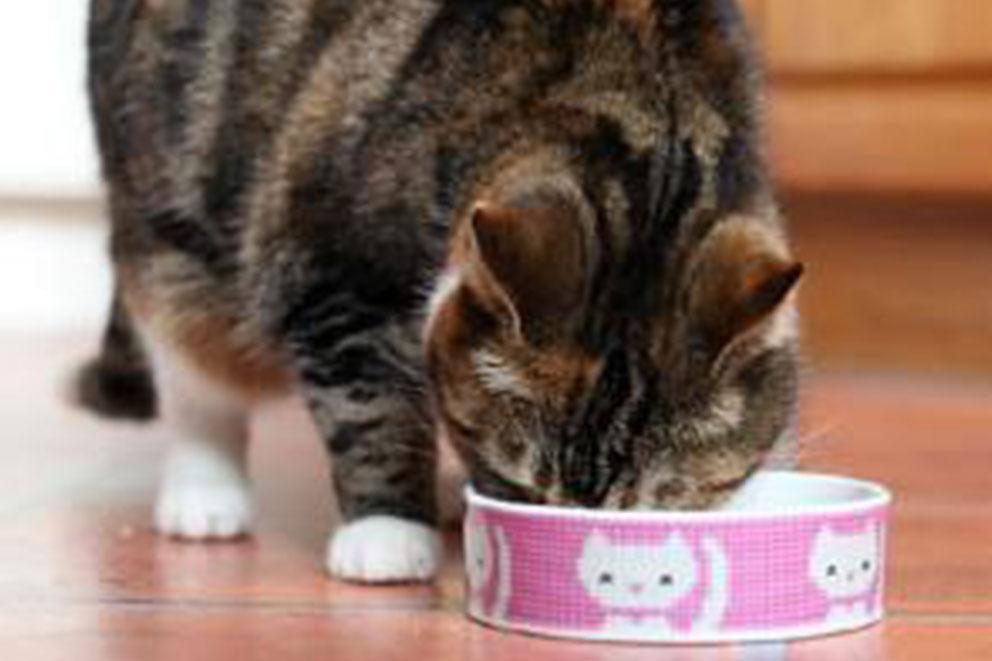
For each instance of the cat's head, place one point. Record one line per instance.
(845, 564)
(637, 575)
(587, 350)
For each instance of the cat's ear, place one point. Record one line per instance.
(678, 545)
(596, 543)
(527, 264)
(742, 274)
(822, 544)
(595, 551)
(825, 536)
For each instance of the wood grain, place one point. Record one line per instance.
(754, 10)
(874, 35)
(879, 94)
(897, 281)
(85, 579)
(881, 136)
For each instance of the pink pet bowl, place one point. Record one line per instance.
(792, 555)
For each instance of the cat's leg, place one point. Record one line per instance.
(366, 395)
(204, 491)
(452, 478)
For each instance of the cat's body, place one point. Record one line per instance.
(577, 181)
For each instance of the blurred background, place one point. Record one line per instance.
(880, 131)
(881, 136)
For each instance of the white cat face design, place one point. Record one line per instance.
(845, 564)
(638, 575)
(479, 560)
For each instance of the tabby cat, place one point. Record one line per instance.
(539, 229)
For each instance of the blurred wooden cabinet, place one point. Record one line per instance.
(869, 94)
(877, 35)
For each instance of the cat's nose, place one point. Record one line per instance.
(850, 577)
(637, 588)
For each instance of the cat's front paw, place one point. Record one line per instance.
(198, 511)
(384, 549)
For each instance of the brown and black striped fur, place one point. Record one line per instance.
(289, 179)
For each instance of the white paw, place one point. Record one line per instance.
(203, 511)
(384, 549)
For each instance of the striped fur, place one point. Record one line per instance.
(289, 178)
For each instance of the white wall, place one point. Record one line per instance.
(54, 276)
(46, 144)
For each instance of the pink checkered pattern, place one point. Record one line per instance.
(534, 581)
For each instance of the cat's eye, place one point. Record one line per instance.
(866, 565)
(605, 578)
(832, 570)
(666, 579)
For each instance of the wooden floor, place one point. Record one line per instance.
(896, 281)
(82, 577)
(895, 284)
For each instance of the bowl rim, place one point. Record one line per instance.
(753, 634)
(876, 497)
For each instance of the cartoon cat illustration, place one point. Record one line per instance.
(639, 585)
(487, 554)
(844, 566)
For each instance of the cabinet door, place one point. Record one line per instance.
(883, 135)
(880, 94)
(877, 35)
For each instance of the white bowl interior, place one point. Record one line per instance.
(766, 493)
(774, 490)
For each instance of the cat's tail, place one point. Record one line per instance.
(117, 383)
(717, 598)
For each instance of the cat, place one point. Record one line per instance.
(639, 585)
(488, 569)
(542, 229)
(844, 566)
